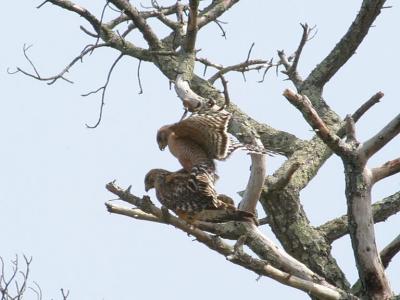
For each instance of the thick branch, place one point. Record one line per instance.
(231, 253)
(378, 141)
(256, 181)
(358, 193)
(386, 256)
(347, 46)
(191, 33)
(191, 101)
(366, 106)
(214, 10)
(274, 183)
(83, 12)
(107, 35)
(139, 21)
(135, 213)
(165, 11)
(387, 169)
(262, 268)
(303, 104)
(381, 210)
(390, 251)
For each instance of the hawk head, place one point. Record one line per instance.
(154, 176)
(162, 137)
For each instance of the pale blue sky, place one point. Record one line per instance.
(53, 169)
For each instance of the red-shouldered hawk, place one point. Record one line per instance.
(200, 139)
(192, 196)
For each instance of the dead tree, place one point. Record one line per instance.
(16, 284)
(305, 262)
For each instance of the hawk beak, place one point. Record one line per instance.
(162, 147)
(148, 187)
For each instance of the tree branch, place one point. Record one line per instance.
(108, 36)
(390, 251)
(103, 89)
(214, 11)
(256, 181)
(378, 141)
(83, 12)
(191, 101)
(291, 68)
(191, 32)
(135, 213)
(165, 11)
(381, 210)
(387, 169)
(347, 46)
(386, 256)
(315, 285)
(248, 65)
(140, 23)
(52, 79)
(367, 105)
(303, 104)
(276, 182)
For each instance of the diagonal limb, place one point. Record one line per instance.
(341, 53)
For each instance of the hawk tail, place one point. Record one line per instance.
(249, 148)
(225, 215)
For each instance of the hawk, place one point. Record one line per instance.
(200, 139)
(192, 196)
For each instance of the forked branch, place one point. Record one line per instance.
(290, 63)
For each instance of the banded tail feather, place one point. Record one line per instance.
(249, 148)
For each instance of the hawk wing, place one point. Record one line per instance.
(189, 192)
(192, 196)
(207, 130)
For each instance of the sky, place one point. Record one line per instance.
(54, 169)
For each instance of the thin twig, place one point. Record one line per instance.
(103, 88)
(220, 27)
(226, 92)
(138, 77)
(52, 79)
(43, 3)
